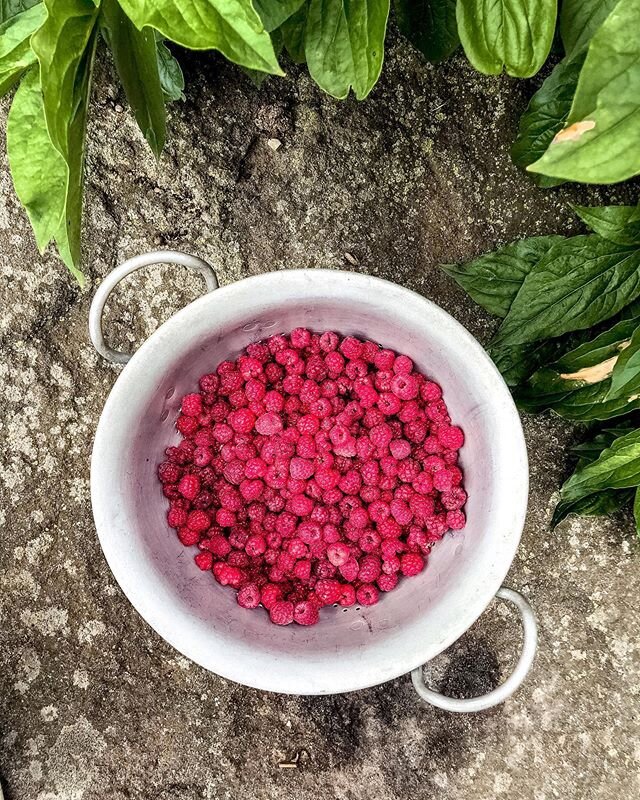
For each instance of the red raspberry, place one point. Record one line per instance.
(309, 532)
(369, 541)
(251, 489)
(456, 520)
(302, 569)
(324, 569)
(411, 564)
(388, 528)
(430, 392)
(387, 582)
(306, 612)
(256, 545)
(400, 448)
(328, 591)
(249, 596)
(442, 480)
(316, 369)
(219, 546)
(383, 360)
(189, 486)
(242, 420)
(188, 536)
(329, 341)
(351, 348)
(255, 468)
(391, 565)
(168, 472)
(281, 612)
(225, 518)
(227, 575)
(270, 593)
(330, 533)
(404, 386)
(209, 383)
(177, 517)
(204, 560)
(380, 435)
(401, 512)
(347, 595)
(338, 554)
(191, 405)
(370, 569)
(350, 482)
(402, 365)
(451, 437)
(367, 595)
(301, 469)
(454, 500)
(268, 424)
(349, 570)
(187, 425)
(327, 478)
(198, 521)
(367, 395)
(422, 507)
(359, 518)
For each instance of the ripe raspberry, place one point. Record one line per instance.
(367, 594)
(402, 365)
(380, 435)
(369, 541)
(430, 392)
(328, 591)
(256, 545)
(349, 570)
(270, 593)
(404, 386)
(187, 425)
(351, 348)
(222, 432)
(391, 565)
(281, 612)
(329, 341)
(168, 472)
(242, 420)
(338, 553)
(451, 437)
(204, 560)
(191, 405)
(456, 520)
(383, 360)
(219, 546)
(209, 383)
(177, 517)
(189, 486)
(302, 569)
(249, 596)
(227, 575)
(268, 424)
(306, 612)
(453, 500)
(309, 532)
(411, 564)
(442, 480)
(198, 521)
(370, 568)
(401, 512)
(387, 582)
(347, 595)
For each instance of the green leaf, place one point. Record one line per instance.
(430, 25)
(625, 380)
(599, 504)
(580, 282)
(171, 77)
(136, 60)
(619, 224)
(258, 78)
(599, 144)
(231, 26)
(636, 510)
(546, 114)
(494, 280)
(38, 170)
(617, 467)
(16, 54)
(580, 19)
(11, 8)
(292, 32)
(517, 363)
(514, 35)
(590, 450)
(65, 46)
(274, 12)
(344, 44)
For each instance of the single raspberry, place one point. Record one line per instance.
(249, 596)
(411, 564)
(347, 595)
(177, 517)
(367, 594)
(370, 568)
(168, 472)
(338, 553)
(430, 392)
(380, 435)
(302, 569)
(270, 593)
(198, 521)
(268, 424)
(453, 500)
(404, 386)
(187, 425)
(219, 546)
(209, 383)
(329, 341)
(189, 486)
(383, 359)
(306, 612)
(281, 612)
(451, 437)
(191, 405)
(456, 520)
(391, 565)
(387, 582)
(402, 365)
(349, 570)
(442, 480)
(309, 532)
(351, 348)
(188, 537)
(204, 560)
(328, 591)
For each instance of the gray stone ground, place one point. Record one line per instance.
(93, 703)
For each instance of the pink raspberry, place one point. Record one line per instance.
(300, 505)
(268, 424)
(430, 392)
(329, 341)
(191, 405)
(367, 594)
(315, 368)
(301, 469)
(306, 612)
(219, 546)
(456, 520)
(411, 564)
(367, 395)
(251, 489)
(227, 575)
(453, 500)
(387, 582)
(281, 612)
(422, 507)
(249, 596)
(442, 480)
(328, 591)
(300, 338)
(388, 528)
(404, 386)
(349, 570)
(177, 517)
(389, 403)
(380, 435)
(256, 545)
(338, 554)
(370, 568)
(350, 482)
(168, 472)
(347, 595)
(189, 486)
(403, 365)
(270, 593)
(401, 512)
(198, 521)
(383, 360)
(309, 532)
(351, 348)
(391, 565)
(209, 383)
(302, 569)
(188, 537)
(451, 437)
(369, 541)
(204, 560)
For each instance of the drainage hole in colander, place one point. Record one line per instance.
(170, 393)
(164, 415)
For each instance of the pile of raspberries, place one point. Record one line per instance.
(314, 470)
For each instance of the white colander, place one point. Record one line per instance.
(349, 649)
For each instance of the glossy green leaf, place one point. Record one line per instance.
(136, 59)
(344, 44)
(546, 114)
(16, 54)
(11, 8)
(590, 449)
(292, 32)
(274, 12)
(598, 504)
(65, 46)
(625, 380)
(599, 144)
(38, 170)
(510, 35)
(494, 280)
(518, 362)
(430, 25)
(619, 224)
(580, 282)
(171, 77)
(231, 26)
(617, 467)
(580, 19)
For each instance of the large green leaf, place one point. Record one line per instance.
(231, 26)
(580, 19)
(11, 8)
(171, 77)
(344, 44)
(580, 282)
(617, 467)
(274, 12)
(430, 25)
(38, 170)
(494, 280)
(65, 46)
(514, 35)
(16, 54)
(625, 380)
(136, 60)
(546, 114)
(599, 144)
(619, 224)
(292, 32)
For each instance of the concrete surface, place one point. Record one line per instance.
(93, 704)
